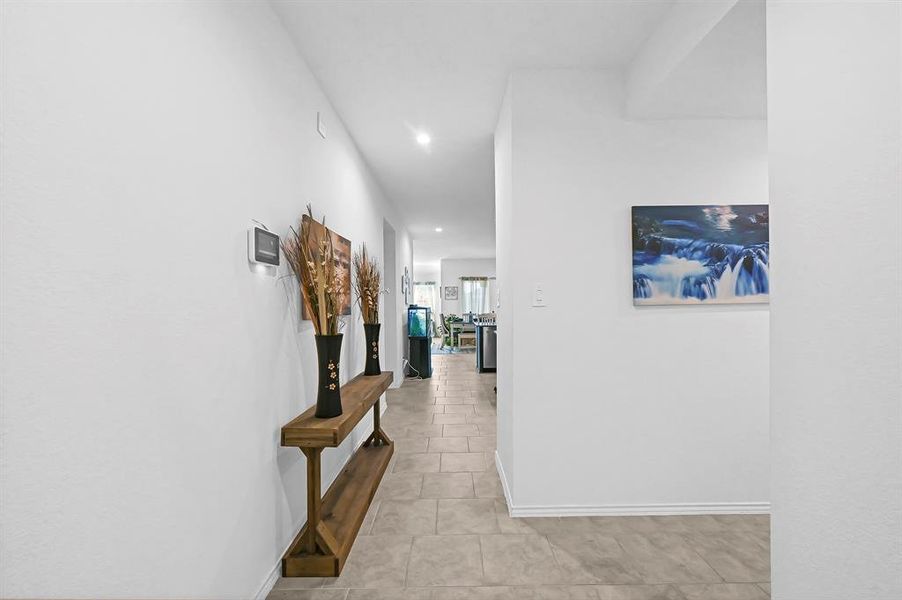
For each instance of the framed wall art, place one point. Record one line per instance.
(710, 254)
(405, 286)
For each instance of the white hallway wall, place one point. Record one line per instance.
(145, 370)
(427, 273)
(452, 269)
(659, 409)
(504, 241)
(835, 128)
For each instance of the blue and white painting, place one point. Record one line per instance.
(715, 254)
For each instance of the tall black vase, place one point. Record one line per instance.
(328, 395)
(372, 348)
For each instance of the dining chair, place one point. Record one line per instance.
(446, 332)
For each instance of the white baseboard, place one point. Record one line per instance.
(627, 510)
(636, 510)
(504, 484)
(269, 582)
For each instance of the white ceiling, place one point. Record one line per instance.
(722, 75)
(393, 67)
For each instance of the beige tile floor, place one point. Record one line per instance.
(439, 528)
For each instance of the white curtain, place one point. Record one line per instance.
(476, 295)
(425, 293)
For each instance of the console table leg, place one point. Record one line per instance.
(314, 497)
(378, 437)
(377, 416)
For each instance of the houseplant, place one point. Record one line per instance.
(450, 319)
(311, 256)
(367, 285)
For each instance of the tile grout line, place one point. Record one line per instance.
(482, 555)
(435, 528)
(407, 565)
(705, 560)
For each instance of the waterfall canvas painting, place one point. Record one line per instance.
(715, 254)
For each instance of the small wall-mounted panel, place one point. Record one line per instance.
(262, 247)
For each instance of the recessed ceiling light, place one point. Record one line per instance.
(438, 229)
(423, 138)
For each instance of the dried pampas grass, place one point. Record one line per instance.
(311, 257)
(367, 285)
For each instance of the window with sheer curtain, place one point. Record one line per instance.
(476, 294)
(425, 293)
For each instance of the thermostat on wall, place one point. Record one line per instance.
(262, 247)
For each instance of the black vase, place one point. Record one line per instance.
(328, 395)
(372, 348)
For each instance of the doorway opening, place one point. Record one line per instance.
(390, 332)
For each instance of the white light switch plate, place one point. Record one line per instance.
(538, 295)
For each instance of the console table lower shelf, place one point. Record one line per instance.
(333, 520)
(343, 509)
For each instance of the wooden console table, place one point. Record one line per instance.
(323, 544)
